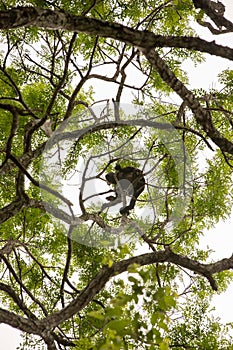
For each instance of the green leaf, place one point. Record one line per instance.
(118, 325)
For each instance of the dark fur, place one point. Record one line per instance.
(131, 174)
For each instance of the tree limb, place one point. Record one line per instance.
(54, 20)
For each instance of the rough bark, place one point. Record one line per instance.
(54, 20)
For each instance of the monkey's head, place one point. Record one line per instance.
(118, 167)
(111, 178)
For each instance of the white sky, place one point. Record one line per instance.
(219, 239)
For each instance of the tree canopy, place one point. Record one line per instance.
(86, 86)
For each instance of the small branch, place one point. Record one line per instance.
(37, 183)
(195, 132)
(67, 266)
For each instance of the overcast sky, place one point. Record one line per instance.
(220, 239)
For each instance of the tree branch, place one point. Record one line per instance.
(215, 12)
(54, 20)
(100, 280)
(203, 116)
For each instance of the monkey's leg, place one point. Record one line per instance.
(125, 210)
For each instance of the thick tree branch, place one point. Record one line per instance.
(99, 281)
(203, 116)
(215, 12)
(49, 19)
(12, 209)
(24, 160)
(26, 325)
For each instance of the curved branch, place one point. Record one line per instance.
(37, 183)
(215, 12)
(54, 20)
(21, 323)
(203, 116)
(7, 289)
(100, 280)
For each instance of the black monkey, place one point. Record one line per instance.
(128, 180)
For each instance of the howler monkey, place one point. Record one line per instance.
(128, 180)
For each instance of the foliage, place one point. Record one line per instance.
(74, 275)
